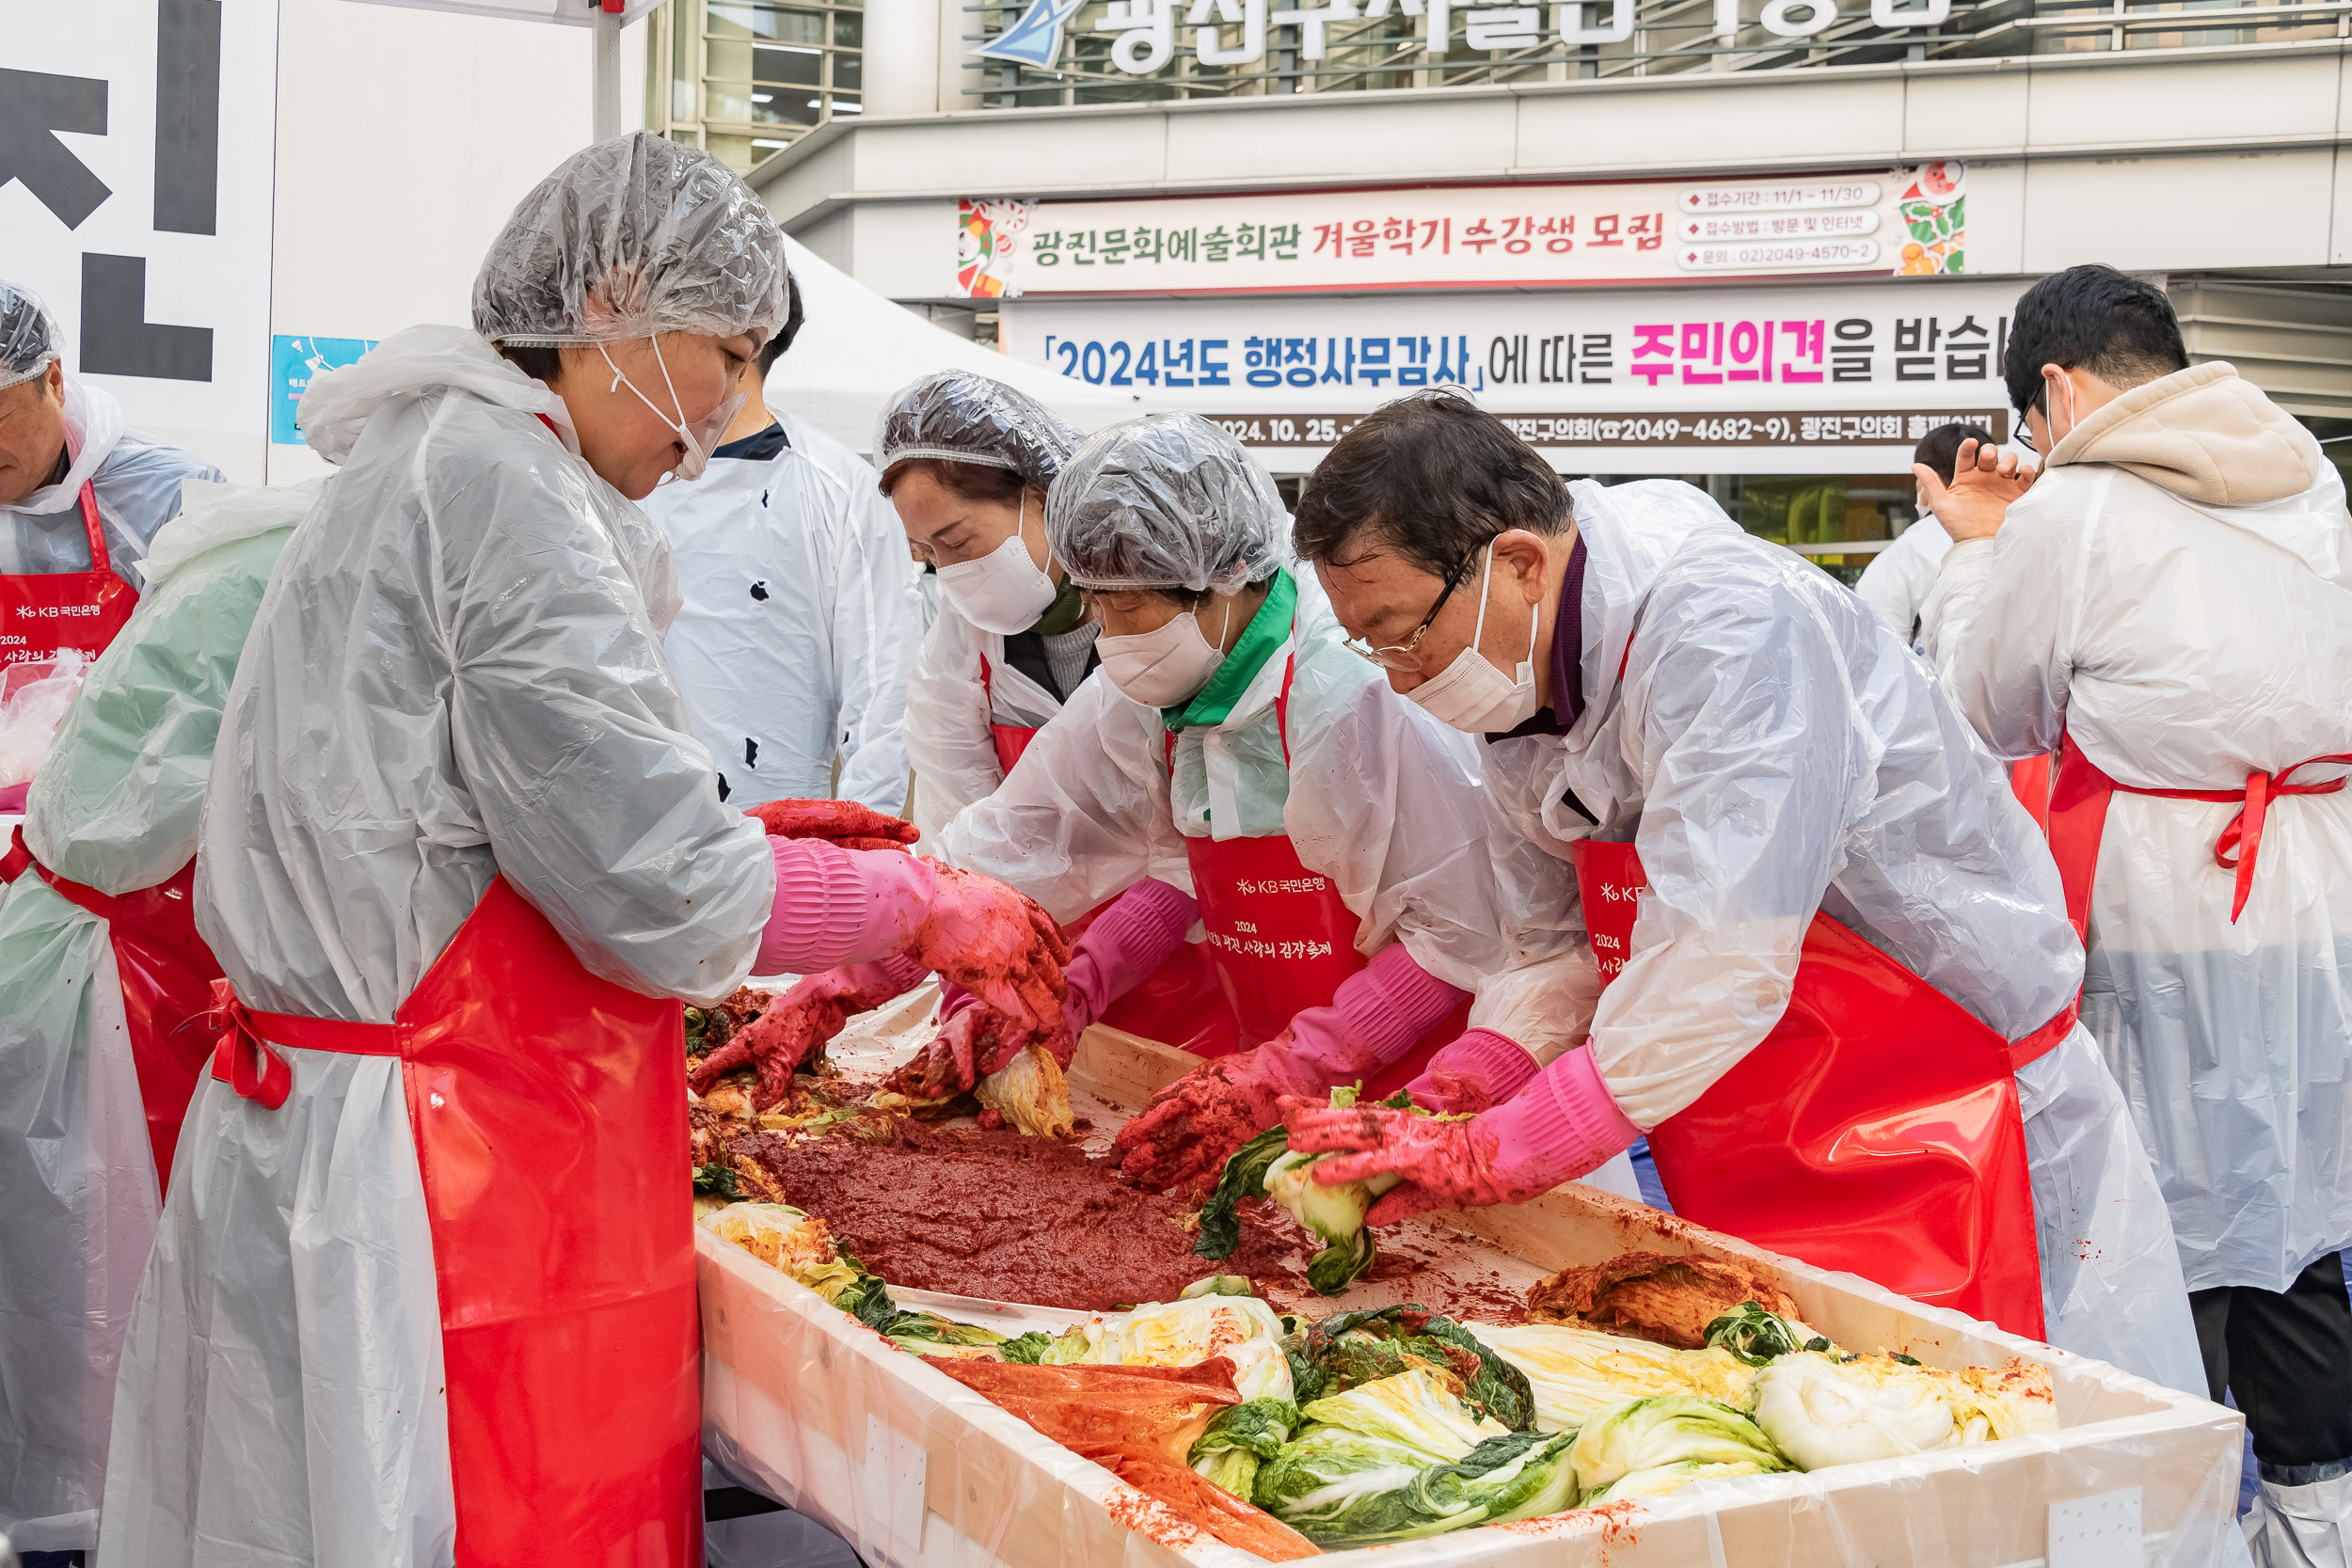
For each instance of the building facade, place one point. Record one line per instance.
(1762, 246)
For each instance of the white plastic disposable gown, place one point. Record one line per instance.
(1377, 796)
(1782, 752)
(1900, 577)
(800, 622)
(2184, 642)
(114, 808)
(948, 715)
(135, 482)
(460, 655)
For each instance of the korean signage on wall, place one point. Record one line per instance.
(135, 160)
(1147, 37)
(1781, 379)
(1903, 222)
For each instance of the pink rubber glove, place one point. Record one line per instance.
(1474, 1073)
(802, 1021)
(1120, 948)
(1561, 1126)
(836, 906)
(1191, 1127)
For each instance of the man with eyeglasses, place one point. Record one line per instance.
(1840, 979)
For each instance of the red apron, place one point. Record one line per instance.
(1875, 1130)
(1178, 1004)
(549, 1107)
(1281, 937)
(42, 612)
(2029, 781)
(168, 975)
(2078, 820)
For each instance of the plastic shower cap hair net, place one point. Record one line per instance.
(1168, 500)
(629, 238)
(964, 417)
(28, 336)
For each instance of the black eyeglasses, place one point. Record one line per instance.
(1401, 655)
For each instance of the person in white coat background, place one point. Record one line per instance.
(801, 613)
(1900, 577)
(2171, 602)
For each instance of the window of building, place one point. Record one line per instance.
(745, 78)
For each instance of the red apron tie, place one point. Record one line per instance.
(2240, 842)
(244, 1061)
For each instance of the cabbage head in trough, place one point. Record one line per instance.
(1240, 1438)
(1667, 1429)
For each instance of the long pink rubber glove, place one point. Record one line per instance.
(1474, 1073)
(837, 906)
(1559, 1128)
(1120, 948)
(1191, 1127)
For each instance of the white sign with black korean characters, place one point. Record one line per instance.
(137, 153)
(1756, 380)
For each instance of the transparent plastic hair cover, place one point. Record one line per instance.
(28, 335)
(960, 417)
(630, 238)
(1168, 500)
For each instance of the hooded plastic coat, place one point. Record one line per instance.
(2175, 593)
(1376, 795)
(457, 673)
(135, 481)
(115, 808)
(801, 622)
(1773, 749)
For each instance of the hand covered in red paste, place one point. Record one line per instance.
(801, 1021)
(994, 943)
(846, 823)
(975, 1042)
(1562, 1125)
(1187, 1131)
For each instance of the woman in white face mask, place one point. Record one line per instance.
(1237, 757)
(966, 461)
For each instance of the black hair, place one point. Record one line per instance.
(1431, 476)
(773, 349)
(2119, 328)
(540, 361)
(972, 481)
(1939, 449)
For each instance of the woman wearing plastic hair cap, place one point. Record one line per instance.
(966, 461)
(1237, 765)
(424, 1281)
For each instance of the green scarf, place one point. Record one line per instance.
(1064, 614)
(1266, 632)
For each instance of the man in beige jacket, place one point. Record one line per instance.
(2170, 603)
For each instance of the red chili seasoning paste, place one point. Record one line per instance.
(1006, 1217)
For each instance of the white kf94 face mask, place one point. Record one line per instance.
(701, 438)
(1003, 591)
(1470, 693)
(1166, 666)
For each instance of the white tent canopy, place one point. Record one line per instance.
(857, 348)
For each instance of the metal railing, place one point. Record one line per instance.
(1667, 37)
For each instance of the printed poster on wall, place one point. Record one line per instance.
(1904, 222)
(136, 146)
(1782, 379)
